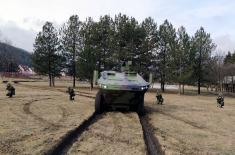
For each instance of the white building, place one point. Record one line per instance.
(25, 70)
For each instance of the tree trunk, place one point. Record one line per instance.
(53, 81)
(183, 88)
(49, 78)
(74, 76)
(91, 82)
(49, 67)
(199, 86)
(164, 70)
(180, 75)
(104, 59)
(74, 65)
(232, 85)
(49, 75)
(163, 86)
(199, 72)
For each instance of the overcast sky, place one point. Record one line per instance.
(20, 20)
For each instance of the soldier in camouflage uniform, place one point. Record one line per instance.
(11, 90)
(159, 98)
(220, 100)
(71, 93)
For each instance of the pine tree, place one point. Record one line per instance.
(183, 58)
(167, 45)
(145, 56)
(131, 42)
(71, 42)
(202, 48)
(105, 28)
(47, 59)
(228, 58)
(233, 57)
(89, 54)
(125, 29)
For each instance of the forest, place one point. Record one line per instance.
(172, 55)
(11, 57)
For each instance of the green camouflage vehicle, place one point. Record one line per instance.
(121, 90)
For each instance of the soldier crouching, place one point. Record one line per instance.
(220, 100)
(71, 93)
(159, 98)
(10, 90)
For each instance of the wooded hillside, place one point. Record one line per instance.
(11, 56)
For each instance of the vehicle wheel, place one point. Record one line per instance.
(98, 103)
(140, 107)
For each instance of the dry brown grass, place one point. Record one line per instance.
(193, 124)
(34, 120)
(115, 133)
(38, 116)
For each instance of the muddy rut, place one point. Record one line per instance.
(114, 132)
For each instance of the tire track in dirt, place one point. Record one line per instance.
(26, 109)
(13, 107)
(7, 145)
(64, 115)
(181, 145)
(117, 127)
(153, 145)
(70, 137)
(193, 124)
(178, 144)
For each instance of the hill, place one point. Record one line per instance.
(11, 56)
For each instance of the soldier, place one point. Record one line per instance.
(71, 93)
(159, 98)
(220, 100)
(11, 90)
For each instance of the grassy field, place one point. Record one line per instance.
(35, 119)
(191, 124)
(38, 116)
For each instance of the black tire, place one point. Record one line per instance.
(98, 103)
(140, 107)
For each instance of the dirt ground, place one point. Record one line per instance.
(191, 124)
(35, 120)
(38, 116)
(114, 133)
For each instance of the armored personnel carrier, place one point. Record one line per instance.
(124, 89)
